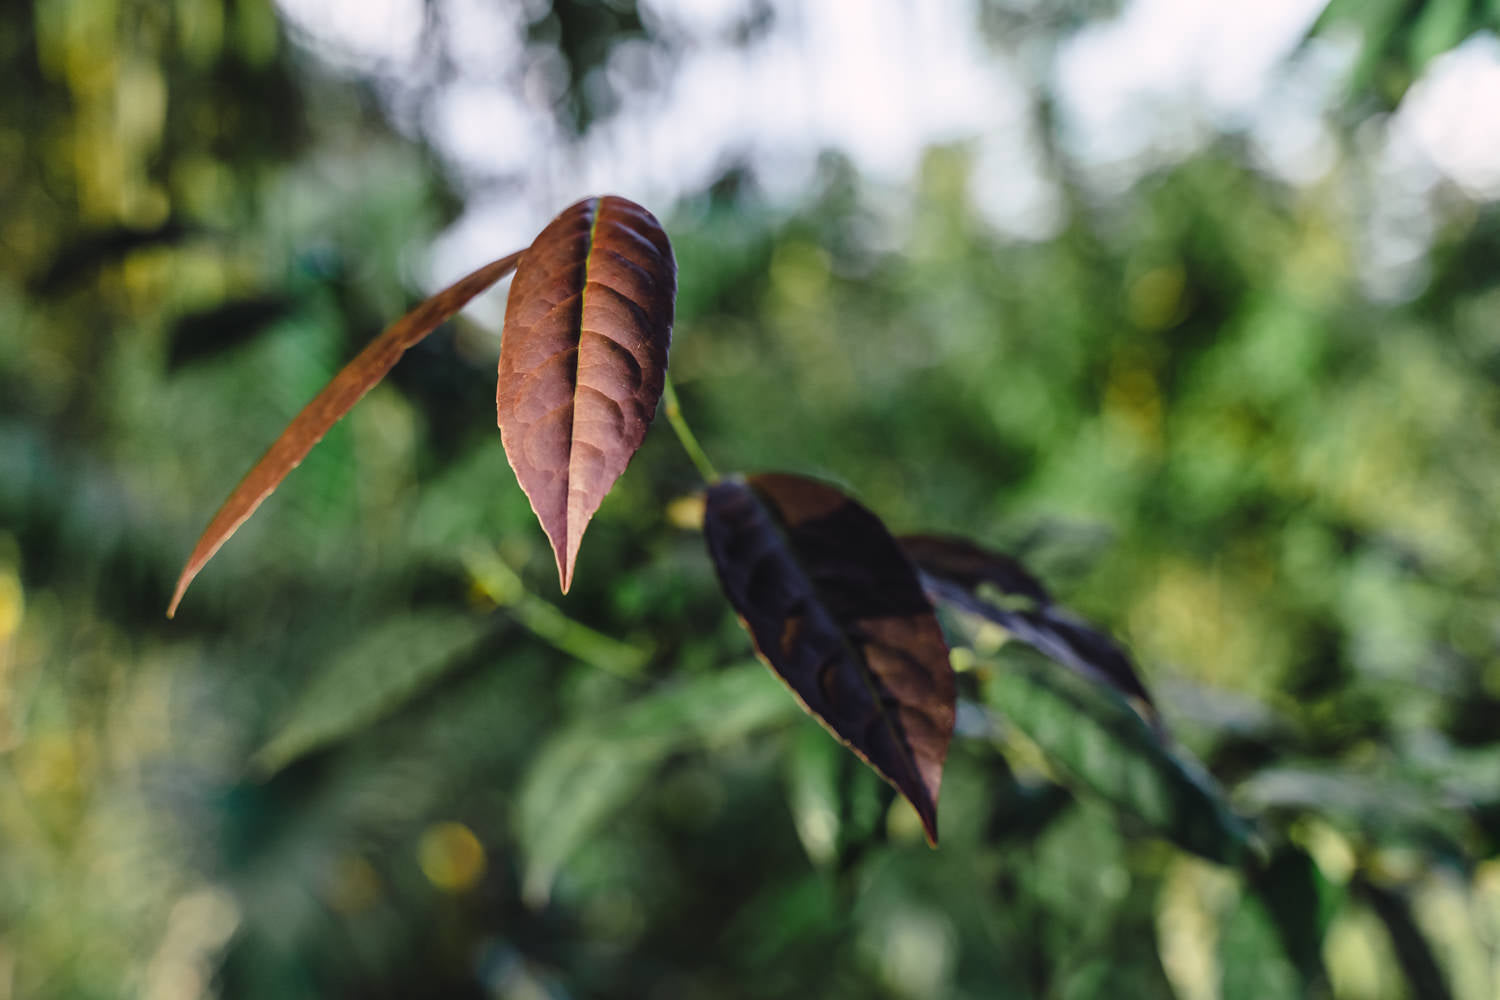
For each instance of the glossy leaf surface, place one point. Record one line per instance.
(328, 406)
(583, 360)
(953, 571)
(837, 611)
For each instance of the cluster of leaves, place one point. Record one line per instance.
(836, 606)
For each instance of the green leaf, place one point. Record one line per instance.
(1440, 26)
(1272, 942)
(839, 806)
(1094, 736)
(585, 774)
(1253, 961)
(1413, 951)
(369, 680)
(1300, 903)
(1381, 809)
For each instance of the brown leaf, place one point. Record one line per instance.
(952, 570)
(837, 611)
(347, 387)
(969, 565)
(583, 360)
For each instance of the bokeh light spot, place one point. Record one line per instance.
(451, 856)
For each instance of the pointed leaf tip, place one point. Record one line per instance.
(583, 360)
(953, 570)
(327, 407)
(839, 615)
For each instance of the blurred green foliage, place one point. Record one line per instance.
(375, 755)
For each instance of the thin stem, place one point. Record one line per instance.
(685, 435)
(503, 586)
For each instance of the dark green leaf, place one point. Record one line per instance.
(584, 775)
(839, 807)
(1272, 941)
(1385, 810)
(1423, 973)
(371, 678)
(1106, 747)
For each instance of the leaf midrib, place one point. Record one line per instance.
(583, 289)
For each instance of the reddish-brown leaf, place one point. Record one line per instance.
(970, 565)
(347, 387)
(952, 571)
(837, 611)
(583, 360)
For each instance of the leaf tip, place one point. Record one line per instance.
(182, 586)
(566, 558)
(927, 812)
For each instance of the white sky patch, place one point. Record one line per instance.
(483, 129)
(358, 34)
(1143, 89)
(1452, 114)
(1156, 82)
(880, 88)
(482, 37)
(699, 18)
(1289, 137)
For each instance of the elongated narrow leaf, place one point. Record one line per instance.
(1093, 735)
(1381, 809)
(583, 360)
(1297, 903)
(1413, 951)
(953, 570)
(337, 397)
(836, 610)
(371, 679)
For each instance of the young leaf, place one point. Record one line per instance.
(837, 612)
(583, 359)
(336, 398)
(952, 571)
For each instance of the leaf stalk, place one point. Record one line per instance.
(685, 435)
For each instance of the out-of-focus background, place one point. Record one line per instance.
(1195, 307)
